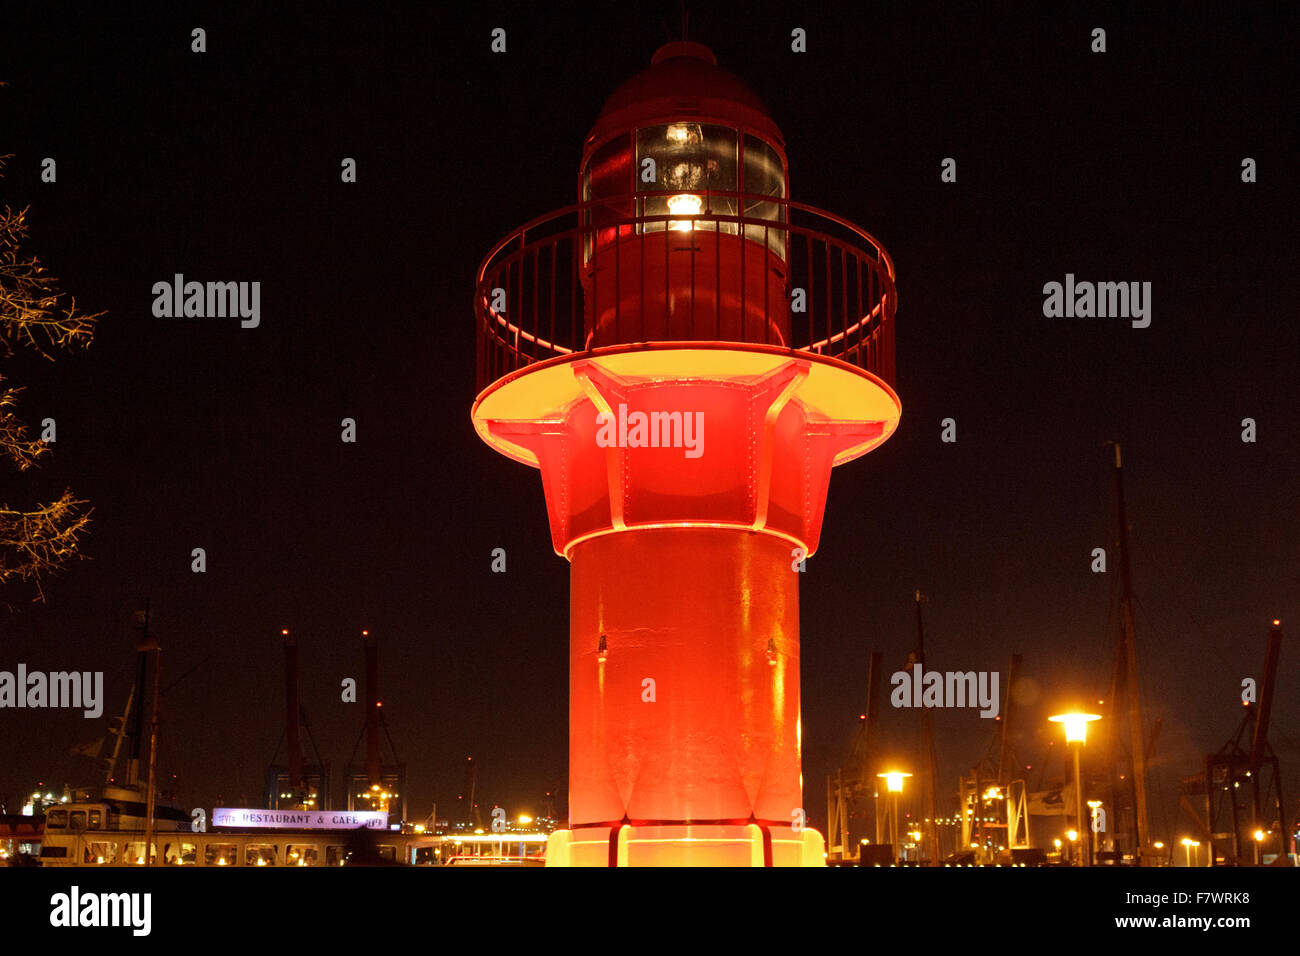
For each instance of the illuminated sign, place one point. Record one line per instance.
(300, 819)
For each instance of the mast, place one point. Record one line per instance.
(1004, 735)
(374, 769)
(110, 763)
(151, 792)
(927, 736)
(137, 719)
(1129, 650)
(293, 742)
(867, 766)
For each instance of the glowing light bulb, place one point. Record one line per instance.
(679, 134)
(685, 205)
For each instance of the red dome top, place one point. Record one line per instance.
(683, 81)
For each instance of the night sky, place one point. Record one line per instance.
(185, 433)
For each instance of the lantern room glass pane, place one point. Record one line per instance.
(608, 176)
(764, 176)
(692, 163)
(607, 189)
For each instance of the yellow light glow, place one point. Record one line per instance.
(679, 134)
(685, 205)
(894, 780)
(831, 390)
(1072, 835)
(1158, 845)
(1259, 836)
(1076, 725)
(525, 819)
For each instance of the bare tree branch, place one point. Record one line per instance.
(36, 542)
(13, 433)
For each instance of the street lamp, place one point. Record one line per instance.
(894, 784)
(1093, 807)
(1188, 843)
(1076, 735)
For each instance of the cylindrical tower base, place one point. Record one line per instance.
(684, 699)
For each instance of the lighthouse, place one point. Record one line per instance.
(684, 354)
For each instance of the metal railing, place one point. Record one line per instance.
(539, 286)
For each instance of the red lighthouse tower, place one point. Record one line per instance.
(685, 354)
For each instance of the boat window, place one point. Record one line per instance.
(78, 820)
(55, 852)
(220, 854)
(99, 853)
(96, 819)
(56, 819)
(336, 855)
(301, 854)
(388, 853)
(425, 855)
(135, 853)
(259, 854)
(180, 854)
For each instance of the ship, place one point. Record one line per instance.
(116, 824)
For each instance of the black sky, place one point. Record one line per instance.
(189, 433)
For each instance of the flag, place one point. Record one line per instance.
(90, 749)
(1048, 803)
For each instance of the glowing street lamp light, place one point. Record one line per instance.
(1076, 726)
(1188, 843)
(894, 780)
(1076, 735)
(894, 784)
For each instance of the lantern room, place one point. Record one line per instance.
(685, 151)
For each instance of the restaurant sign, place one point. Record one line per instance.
(300, 819)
